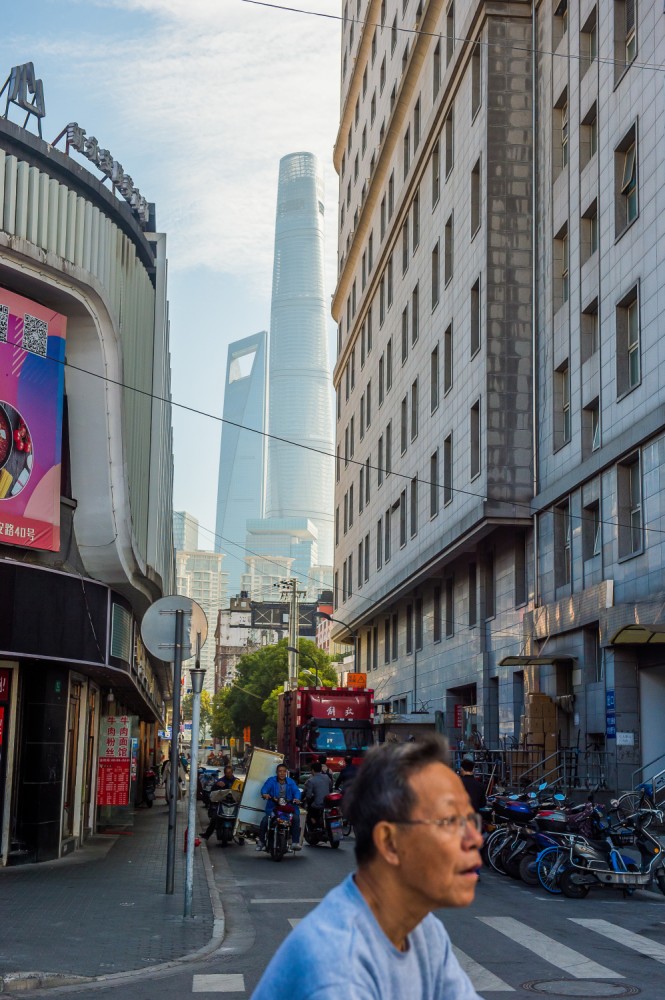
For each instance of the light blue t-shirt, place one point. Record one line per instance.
(339, 951)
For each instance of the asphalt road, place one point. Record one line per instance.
(510, 936)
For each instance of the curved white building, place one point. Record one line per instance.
(300, 481)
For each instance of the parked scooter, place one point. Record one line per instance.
(325, 824)
(280, 821)
(150, 781)
(590, 863)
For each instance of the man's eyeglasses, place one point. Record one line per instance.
(448, 824)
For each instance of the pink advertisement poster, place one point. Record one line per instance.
(32, 374)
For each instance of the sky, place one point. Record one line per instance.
(199, 100)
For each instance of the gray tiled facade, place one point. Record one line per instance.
(544, 422)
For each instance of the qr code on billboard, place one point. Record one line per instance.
(4, 322)
(35, 335)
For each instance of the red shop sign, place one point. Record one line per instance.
(5, 676)
(459, 716)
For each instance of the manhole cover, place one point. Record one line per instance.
(577, 988)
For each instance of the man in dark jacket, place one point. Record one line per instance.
(474, 788)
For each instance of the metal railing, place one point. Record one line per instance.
(525, 769)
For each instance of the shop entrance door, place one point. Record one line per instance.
(87, 809)
(652, 713)
(73, 726)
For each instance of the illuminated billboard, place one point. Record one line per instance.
(32, 359)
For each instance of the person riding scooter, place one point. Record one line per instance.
(314, 792)
(280, 787)
(226, 782)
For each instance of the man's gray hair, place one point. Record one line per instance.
(381, 789)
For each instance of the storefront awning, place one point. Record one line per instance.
(537, 661)
(639, 635)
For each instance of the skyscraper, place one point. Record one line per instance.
(300, 481)
(240, 493)
(185, 531)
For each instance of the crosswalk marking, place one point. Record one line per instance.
(617, 934)
(559, 955)
(482, 979)
(220, 983)
(285, 900)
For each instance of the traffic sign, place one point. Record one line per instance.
(158, 627)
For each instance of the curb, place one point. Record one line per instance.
(23, 982)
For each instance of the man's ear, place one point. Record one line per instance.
(384, 836)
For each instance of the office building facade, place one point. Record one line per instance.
(498, 431)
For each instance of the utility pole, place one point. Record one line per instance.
(290, 591)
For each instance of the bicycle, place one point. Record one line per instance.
(640, 799)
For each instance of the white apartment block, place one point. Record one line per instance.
(199, 576)
(500, 408)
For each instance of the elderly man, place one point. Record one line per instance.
(417, 848)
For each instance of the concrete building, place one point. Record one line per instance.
(86, 542)
(199, 575)
(185, 531)
(499, 425)
(242, 460)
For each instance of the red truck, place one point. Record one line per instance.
(330, 721)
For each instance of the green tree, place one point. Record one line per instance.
(206, 709)
(259, 678)
(222, 725)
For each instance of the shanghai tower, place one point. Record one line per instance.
(300, 480)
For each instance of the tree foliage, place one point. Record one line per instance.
(222, 725)
(260, 676)
(206, 709)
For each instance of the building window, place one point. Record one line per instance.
(393, 35)
(361, 489)
(414, 409)
(387, 537)
(352, 443)
(434, 484)
(382, 75)
(589, 330)
(337, 525)
(591, 531)
(560, 134)
(395, 631)
(589, 243)
(405, 334)
(351, 505)
(448, 250)
(337, 464)
(415, 217)
(562, 544)
(404, 425)
(391, 195)
(405, 247)
(561, 286)
(625, 35)
(415, 313)
(367, 471)
(450, 32)
(366, 557)
(434, 379)
(380, 468)
(562, 405)
(436, 172)
(435, 276)
(389, 447)
(402, 518)
(382, 300)
(379, 544)
(475, 198)
(589, 136)
(389, 275)
(368, 403)
(436, 69)
(475, 318)
(359, 581)
(589, 42)
(476, 80)
(450, 607)
(344, 576)
(416, 125)
(369, 314)
(436, 614)
(448, 470)
(372, 109)
(474, 442)
(407, 151)
(473, 595)
(590, 428)
(383, 217)
(448, 359)
(414, 506)
(449, 131)
(389, 364)
(381, 379)
(409, 629)
(419, 622)
(625, 182)
(628, 342)
(520, 571)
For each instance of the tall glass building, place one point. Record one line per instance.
(300, 481)
(240, 492)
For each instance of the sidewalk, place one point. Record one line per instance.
(103, 909)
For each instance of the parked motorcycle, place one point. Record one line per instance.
(589, 863)
(325, 824)
(150, 781)
(280, 821)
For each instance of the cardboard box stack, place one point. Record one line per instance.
(538, 727)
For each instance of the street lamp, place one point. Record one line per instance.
(299, 652)
(331, 618)
(197, 675)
